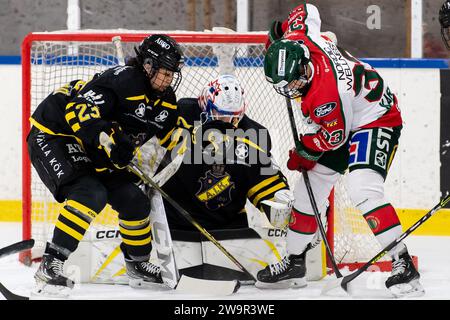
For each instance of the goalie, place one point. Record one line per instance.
(226, 161)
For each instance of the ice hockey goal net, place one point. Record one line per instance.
(52, 59)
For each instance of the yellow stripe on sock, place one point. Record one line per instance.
(71, 232)
(138, 232)
(82, 208)
(134, 223)
(70, 216)
(137, 242)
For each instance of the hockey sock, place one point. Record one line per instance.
(136, 238)
(385, 225)
(302, 228)
(73, 221)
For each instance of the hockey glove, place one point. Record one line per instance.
(302, 158)
(275, 32)
(119, 147)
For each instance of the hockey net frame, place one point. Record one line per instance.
(343, 220)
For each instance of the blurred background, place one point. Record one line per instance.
(366, 28)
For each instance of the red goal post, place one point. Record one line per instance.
(51, 59)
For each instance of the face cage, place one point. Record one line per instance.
(236, 118)
(445, 32)
(289, 93)
(177, 76)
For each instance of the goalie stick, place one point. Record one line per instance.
(6, 251)
(310, 192)
(345, 281)
(105, 142)
(162, 240)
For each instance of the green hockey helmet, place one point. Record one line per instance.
(287, 61)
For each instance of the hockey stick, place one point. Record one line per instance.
(11, 249)
(162, 240)
(105, 142)
(310, 192)
(16, 247)
(345, 281)
(117, 41)
(136, 170)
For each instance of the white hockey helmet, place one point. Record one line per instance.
(223, 99)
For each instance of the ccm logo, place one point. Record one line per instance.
(277, 233)
(324, 109)
(107, 234)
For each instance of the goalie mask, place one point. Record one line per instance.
(288, 67)
(223, 99)
(160, 51)
(444, 20)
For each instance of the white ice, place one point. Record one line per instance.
(434, 266)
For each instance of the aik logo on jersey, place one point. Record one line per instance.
(215, 190)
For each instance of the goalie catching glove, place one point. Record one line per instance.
(302, 158)
(278, 210)
(118, 146)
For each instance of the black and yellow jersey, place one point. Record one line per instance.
(222, 167)
(121, 94)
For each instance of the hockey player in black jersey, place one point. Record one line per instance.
(224, 163)
(131, 104)
(227, 161)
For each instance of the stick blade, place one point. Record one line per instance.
(207, 287)
(335, 284)
(17, 247)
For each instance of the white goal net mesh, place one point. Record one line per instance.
(55, 63)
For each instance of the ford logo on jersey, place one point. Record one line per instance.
(324, 109)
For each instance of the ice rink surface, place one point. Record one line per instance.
(434, 266)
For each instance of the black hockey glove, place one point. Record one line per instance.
(119, 147)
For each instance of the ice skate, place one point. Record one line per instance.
(143, 274)
(404, 279)
(288, 273)
(50, 279)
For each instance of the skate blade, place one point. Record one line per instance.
(141, 284)
(47, 291)
(284, 284)
(407, 290)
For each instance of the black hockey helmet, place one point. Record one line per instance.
(161, 51)
(444, 20)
